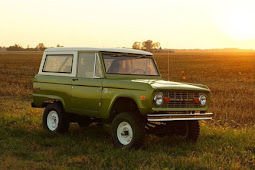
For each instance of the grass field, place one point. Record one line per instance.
(225, 142)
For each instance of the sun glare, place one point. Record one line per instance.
(237, 20)
(240, 25)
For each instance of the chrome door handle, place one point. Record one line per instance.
(75, 79)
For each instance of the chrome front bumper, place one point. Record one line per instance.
(173, 117)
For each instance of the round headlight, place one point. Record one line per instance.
(202, 100)
(159, 99)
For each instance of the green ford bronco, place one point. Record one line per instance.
(118, 87)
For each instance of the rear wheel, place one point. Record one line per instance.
(128, 131)
(55, 119)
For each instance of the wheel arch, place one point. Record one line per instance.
(119, 105)
(57, 100)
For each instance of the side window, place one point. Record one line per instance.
(89, 66)
(58, 64)
(86, 65)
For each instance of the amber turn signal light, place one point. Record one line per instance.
(142, 97)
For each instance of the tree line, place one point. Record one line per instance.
(148, 45)
(17, 47)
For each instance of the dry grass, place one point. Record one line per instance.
(24, 145)
(230, 76)
(15, 70)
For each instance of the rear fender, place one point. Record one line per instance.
(40, 100)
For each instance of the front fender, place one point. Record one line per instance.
(109, 98)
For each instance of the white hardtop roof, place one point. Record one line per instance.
(118, 50)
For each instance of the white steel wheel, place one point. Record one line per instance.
(128, 130)
(52, 120)
(124, 133)
(55, 119)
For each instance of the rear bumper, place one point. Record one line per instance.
(175, 117)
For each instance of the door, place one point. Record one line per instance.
(87, 85)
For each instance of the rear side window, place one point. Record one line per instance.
(58, 63)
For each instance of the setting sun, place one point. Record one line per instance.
(236, 19)
(239, 24)
(175, 24)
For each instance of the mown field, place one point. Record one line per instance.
(225, 142)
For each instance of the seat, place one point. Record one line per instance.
(114, 68)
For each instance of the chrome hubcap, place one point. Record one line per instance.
(52, 120)
(124, 133)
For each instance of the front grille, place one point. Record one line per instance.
(181, 99)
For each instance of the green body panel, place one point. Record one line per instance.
(95, 97)
(52, 87)
(169, 85)
(86, 96)
(115, 88)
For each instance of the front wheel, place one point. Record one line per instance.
(128, 131)
(55, 119)
(188, 130)
(194, 131)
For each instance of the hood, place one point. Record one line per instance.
(165, 85)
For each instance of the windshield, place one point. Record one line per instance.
(132, 65)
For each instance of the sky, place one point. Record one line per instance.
(176, 24)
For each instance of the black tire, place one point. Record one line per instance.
(60, 126)
(137, 129)
(194, 131)
(160, 135)
(186, 130)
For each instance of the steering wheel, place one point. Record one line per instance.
(139, 70)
